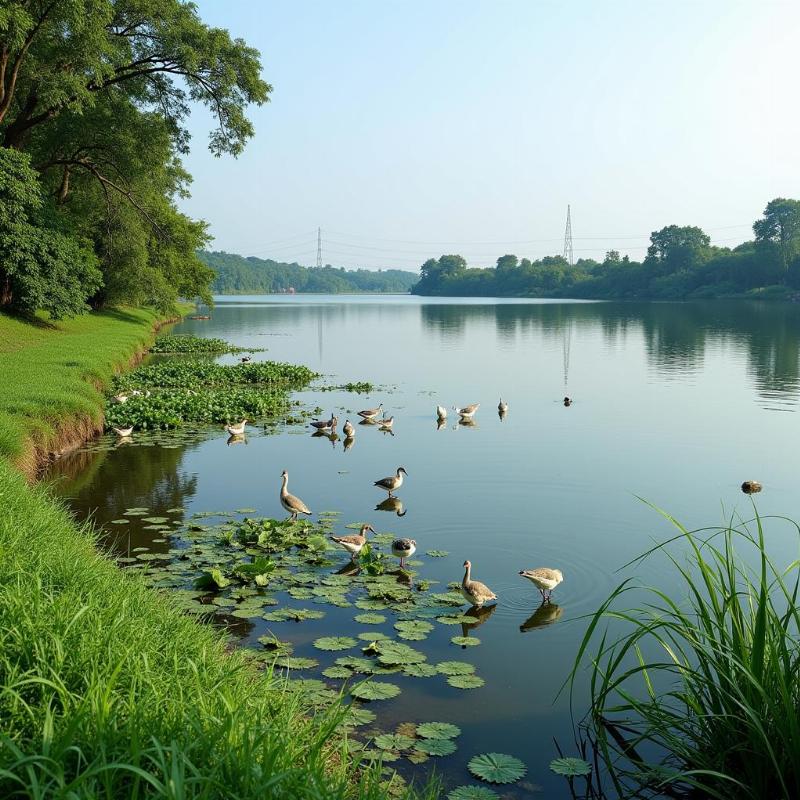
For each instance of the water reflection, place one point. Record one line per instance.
(393, 505)
(236, 438)
(545, 615)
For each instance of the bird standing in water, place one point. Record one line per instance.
(475, 592)
(393, 482)
(294, 505)
(544, 579)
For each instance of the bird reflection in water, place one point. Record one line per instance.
(465, 422)
(479, 614)
(331, 436)
(545, 615)
(394, 504)
(441, 422)
(123, 440)
(348, 442)
(236, 438)
(350, 569)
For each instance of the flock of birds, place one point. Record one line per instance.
(474, 592)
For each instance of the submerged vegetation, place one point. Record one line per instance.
(696, 691)
(681, 263)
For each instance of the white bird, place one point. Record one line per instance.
(119, 399)
(502, 407)
(123, 432)
(403, 549)
(139, 393)
(348, 429)
(371, 413)
(544, 579)
(354, 544)
(467, 411)
(441, 413)
(475, 592)
(393, 482)
(294, 505)
(237, 429)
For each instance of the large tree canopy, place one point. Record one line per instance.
(97, 93)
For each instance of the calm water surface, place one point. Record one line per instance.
(673, 403)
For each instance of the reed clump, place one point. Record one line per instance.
(695, 692)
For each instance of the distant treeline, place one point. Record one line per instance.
(240, 275)
(680, 264)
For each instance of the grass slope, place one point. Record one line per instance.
(106, 689)
(53, 373)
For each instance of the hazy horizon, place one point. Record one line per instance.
(408, 131)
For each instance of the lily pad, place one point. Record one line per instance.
(368, 619)
(337, 672)
(359, 716)
(399, 653)
(422, 670)
(212, 579)
(466, 681)
(375, 691)
(570, 767)
(472, 793)
(497, 768)
(120, 522)
(436, 747)
(334, 643)
(459, 619)
(466, 641)
(455, 668)
(393, 741)
(438, 730)
(437, 553)
(155, 520)
(296, 662)
(413, 629)
(373, 636)
(245, 511)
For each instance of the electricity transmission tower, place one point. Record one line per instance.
(319, 247)
(568, 239)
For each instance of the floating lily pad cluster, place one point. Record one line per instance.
(238, 567)
(185, 343)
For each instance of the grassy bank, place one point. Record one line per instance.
(53, 373)
(107, 689)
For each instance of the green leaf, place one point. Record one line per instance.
(375, 691)
(472, 793)
(466, 641)
(369, 619)
(465, 681)
(497, 768)
(120, 522)
(334, 643)
(398, 653)
(295, 662)
(422, 670)
(436, 747)
(393, 741)
(570, 767)
(211, 579)
(437, 553)
(455, 668)
(438, 730)
(337, 671)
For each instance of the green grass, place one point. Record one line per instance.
(53, 373)
(699, 693)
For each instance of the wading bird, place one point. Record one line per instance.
(403, 549)
(238, 429)
(354, 544)
(467, 412)
(393, 482)
(348, 429)
(544, 579)
(371, 413)
(475, 592)
(502, 407)
(123, 432)
(294, 505)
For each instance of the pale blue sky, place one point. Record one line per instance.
(409, 129)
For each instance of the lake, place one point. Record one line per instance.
(674, 403)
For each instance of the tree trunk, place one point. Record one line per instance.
(6, 295)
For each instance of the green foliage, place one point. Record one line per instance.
(436, 747)
(40, 268)
(183, 343)
(680, 264)
(438, 730)
(97, 94)
(375, 691)
(699, 688)
(465, 681)
(570, 767)
(240, 275)
(472, 793)
(334, 643)
(497, 768)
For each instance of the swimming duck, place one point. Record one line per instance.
(294, 505)
(354, 544)
(544, 579)
(393, 482)
(475, 592)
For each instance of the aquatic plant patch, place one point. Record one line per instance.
(186, 343)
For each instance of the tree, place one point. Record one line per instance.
(612, 258)
(676, 247)
(780, 225)
(507, 263)
(40, 268)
